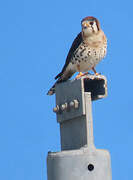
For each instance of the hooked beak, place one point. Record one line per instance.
(85, 25)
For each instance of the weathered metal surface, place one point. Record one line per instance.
(66, 93)
(78, 132)
(79, 159)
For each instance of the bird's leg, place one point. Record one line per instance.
(80, 73)
(93, 69)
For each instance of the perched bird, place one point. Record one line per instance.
(87, 50)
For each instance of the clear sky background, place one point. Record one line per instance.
(35, 37)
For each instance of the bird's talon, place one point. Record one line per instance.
(81, 74)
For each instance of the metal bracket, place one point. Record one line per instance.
(70, 102)
(78, 159)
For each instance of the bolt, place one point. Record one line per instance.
(71, 104)
(56, 109)
(74, 104)
(64, 106)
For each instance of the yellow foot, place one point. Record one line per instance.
(93, 69)
(81, 74)
(97, 74)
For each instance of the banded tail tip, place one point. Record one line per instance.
(51, 91)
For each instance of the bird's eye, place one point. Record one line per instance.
(91, 23)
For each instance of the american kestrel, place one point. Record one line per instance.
(87, 50)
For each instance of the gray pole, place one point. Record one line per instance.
(78, 159)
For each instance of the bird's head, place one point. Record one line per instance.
(90, 25)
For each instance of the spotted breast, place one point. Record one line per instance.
(88, 55)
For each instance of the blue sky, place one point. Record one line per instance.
(35, 37)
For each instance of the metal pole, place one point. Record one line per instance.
(78, 159)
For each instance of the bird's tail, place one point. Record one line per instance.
(52, 89)
(64, 77)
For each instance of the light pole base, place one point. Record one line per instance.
(81, 164)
